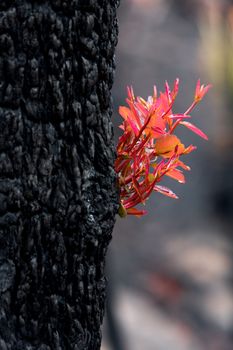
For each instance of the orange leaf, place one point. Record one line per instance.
(176, 174)
(167, 144)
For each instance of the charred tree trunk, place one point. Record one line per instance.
(57, 185)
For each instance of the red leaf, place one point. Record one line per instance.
(136, 212)
(166, 191)
(194, 129)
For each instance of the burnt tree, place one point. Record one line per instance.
(58, 194)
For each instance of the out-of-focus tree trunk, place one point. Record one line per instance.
(58, 195)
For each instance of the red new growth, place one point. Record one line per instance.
(148, 148)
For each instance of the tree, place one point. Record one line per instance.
(58, 195)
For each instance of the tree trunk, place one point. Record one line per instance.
(58, 194)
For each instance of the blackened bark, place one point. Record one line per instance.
(57, 185)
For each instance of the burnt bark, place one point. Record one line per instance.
(58, 195)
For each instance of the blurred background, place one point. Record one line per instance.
(171, 272)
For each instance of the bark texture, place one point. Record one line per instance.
(57, 185)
